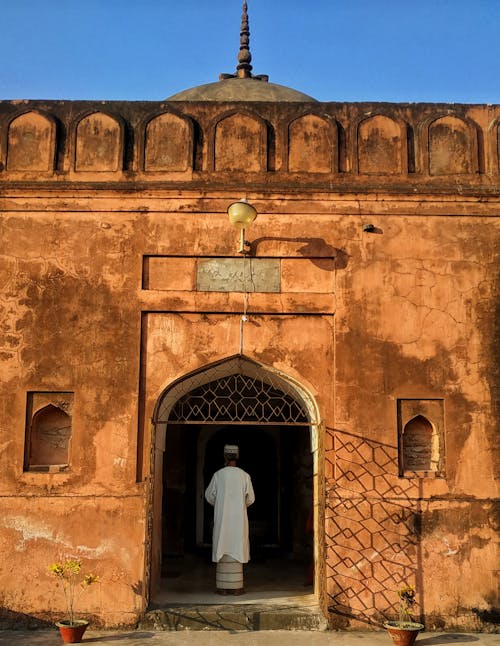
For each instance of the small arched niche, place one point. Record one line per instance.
(241, 144)
(380, 146)
(498, 146)
(31, 143)
(99, 146)
(169, 144)
(421, 451)
(421, 437)
(311, 145)
(452, 149)
(49, 438)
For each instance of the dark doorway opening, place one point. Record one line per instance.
(280, 463)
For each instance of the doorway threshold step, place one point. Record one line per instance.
(244, 617)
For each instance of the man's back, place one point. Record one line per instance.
(230, 491)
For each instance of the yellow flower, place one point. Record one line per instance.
(57, 569)
(73, 567)
(89, 579)
(407, 595)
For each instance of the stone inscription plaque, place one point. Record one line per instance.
(238, 275)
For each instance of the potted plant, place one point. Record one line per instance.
(73, 583)
(404, 631)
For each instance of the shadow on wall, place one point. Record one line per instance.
(492, 366)
(319, 252)
(373, 530)
(491, 616)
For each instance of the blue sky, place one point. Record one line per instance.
(333, 50)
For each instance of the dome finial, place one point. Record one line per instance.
(244, 69)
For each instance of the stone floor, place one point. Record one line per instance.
(228, 638)
(191, 580)
(276, 598)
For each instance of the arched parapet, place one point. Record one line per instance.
(381, 146)
(312, 145)
(450, 146)
(169, 143)
(99, 143)
(240, 143)
(31, 143)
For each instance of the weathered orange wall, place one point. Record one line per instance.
(406, 311)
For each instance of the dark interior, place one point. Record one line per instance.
(279, 461)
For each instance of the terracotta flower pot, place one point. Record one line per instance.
(72, 633)
(403, 634)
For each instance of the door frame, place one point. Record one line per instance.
(237, 364)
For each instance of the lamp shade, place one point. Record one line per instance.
(241, 214)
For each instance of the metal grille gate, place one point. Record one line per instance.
(237, 398)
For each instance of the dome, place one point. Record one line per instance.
(241, 89)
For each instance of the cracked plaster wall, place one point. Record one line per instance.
(413, 313)
(418, 304)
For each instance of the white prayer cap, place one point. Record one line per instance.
(231, 449)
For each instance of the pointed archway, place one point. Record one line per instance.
(273, 418)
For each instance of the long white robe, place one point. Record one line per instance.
(231, 492)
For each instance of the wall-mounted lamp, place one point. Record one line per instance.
(369, 228)
(242, 214)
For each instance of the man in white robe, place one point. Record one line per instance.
(231, 492)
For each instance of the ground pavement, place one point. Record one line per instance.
(241, 638)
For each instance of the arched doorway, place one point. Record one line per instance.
(274, 421)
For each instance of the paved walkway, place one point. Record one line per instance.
(257, 638)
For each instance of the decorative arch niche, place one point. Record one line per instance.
(169, 144)
(380, 146)
(420, 445)
(241, 144)
(48, 432)
(421, 437)
(31, 143)
(311, 145)
(99, 144)
(452, 147)
(498, 146)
